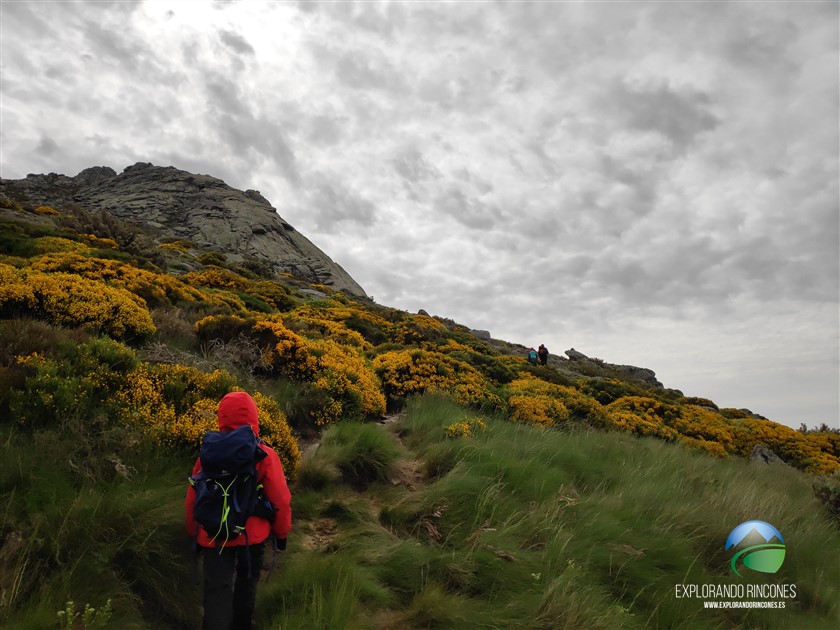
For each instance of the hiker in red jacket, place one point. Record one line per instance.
(229, 604)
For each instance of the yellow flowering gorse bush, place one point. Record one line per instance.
(70, 300)
(468, 427)
(417, 329)
(52, 244)
(340, 371)
(101, 243)
(538, 402)
(407, 372)
(216, 277)
(709, 431)
(176, 405)
(313, 323)
(155, 288)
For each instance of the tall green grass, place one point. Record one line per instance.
(72, 535)
(516, 527)
(524, 528)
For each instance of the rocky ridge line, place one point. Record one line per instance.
(198, 208)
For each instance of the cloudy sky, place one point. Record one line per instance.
(651, 183)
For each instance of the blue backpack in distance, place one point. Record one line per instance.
(226, 487)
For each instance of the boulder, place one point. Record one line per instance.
(574, 355)
(763, 455)
(94, 175)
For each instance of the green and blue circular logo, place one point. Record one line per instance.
(756, 545)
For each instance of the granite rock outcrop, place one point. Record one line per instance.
(197, 208)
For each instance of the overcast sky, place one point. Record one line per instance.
(653, 184)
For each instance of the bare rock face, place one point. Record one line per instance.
(763, 455)
(630, 372)
(198, 208)
(574, 355)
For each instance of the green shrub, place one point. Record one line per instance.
(253, 303)
(9, 204)
(212, 258)
(367, 329)
(700, 402)
(827, 490)
(77, 383)
(14, 242)
(222, 327)
(607, 390)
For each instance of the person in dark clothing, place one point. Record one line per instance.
(230, 584)
(228, 602)
(542, 353)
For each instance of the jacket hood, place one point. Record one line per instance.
(238, 409)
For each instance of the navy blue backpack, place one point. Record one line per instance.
(227, 491)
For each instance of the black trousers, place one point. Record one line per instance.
(228, 602)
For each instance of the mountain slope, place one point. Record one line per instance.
(504, 494)
(197, 208)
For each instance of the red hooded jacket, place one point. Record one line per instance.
(235, 410)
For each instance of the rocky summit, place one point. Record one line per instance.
(198, 208)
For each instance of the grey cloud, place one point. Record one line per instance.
(380, 18)
(476, 181)
(47, 146)
(308, 6)
(110, 45)
(411, 164)
(470, 93)
(125, 6)
(22, 18)
(384, 19)
(368, 69)
(680, 116)
(577, 265)
(223, 95)
(17, 63)
(774, 271)
(246, 134)
(643, 187)
(666, 272)
(761, 41)
(236, 42)
(332, 203)
(435, 89)
(468, 211)
(189, 53)
(537, 229)
(61, 74)
(326, 130)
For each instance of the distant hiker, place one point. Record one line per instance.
(237, 498)
(532, 356)
(543, 354)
